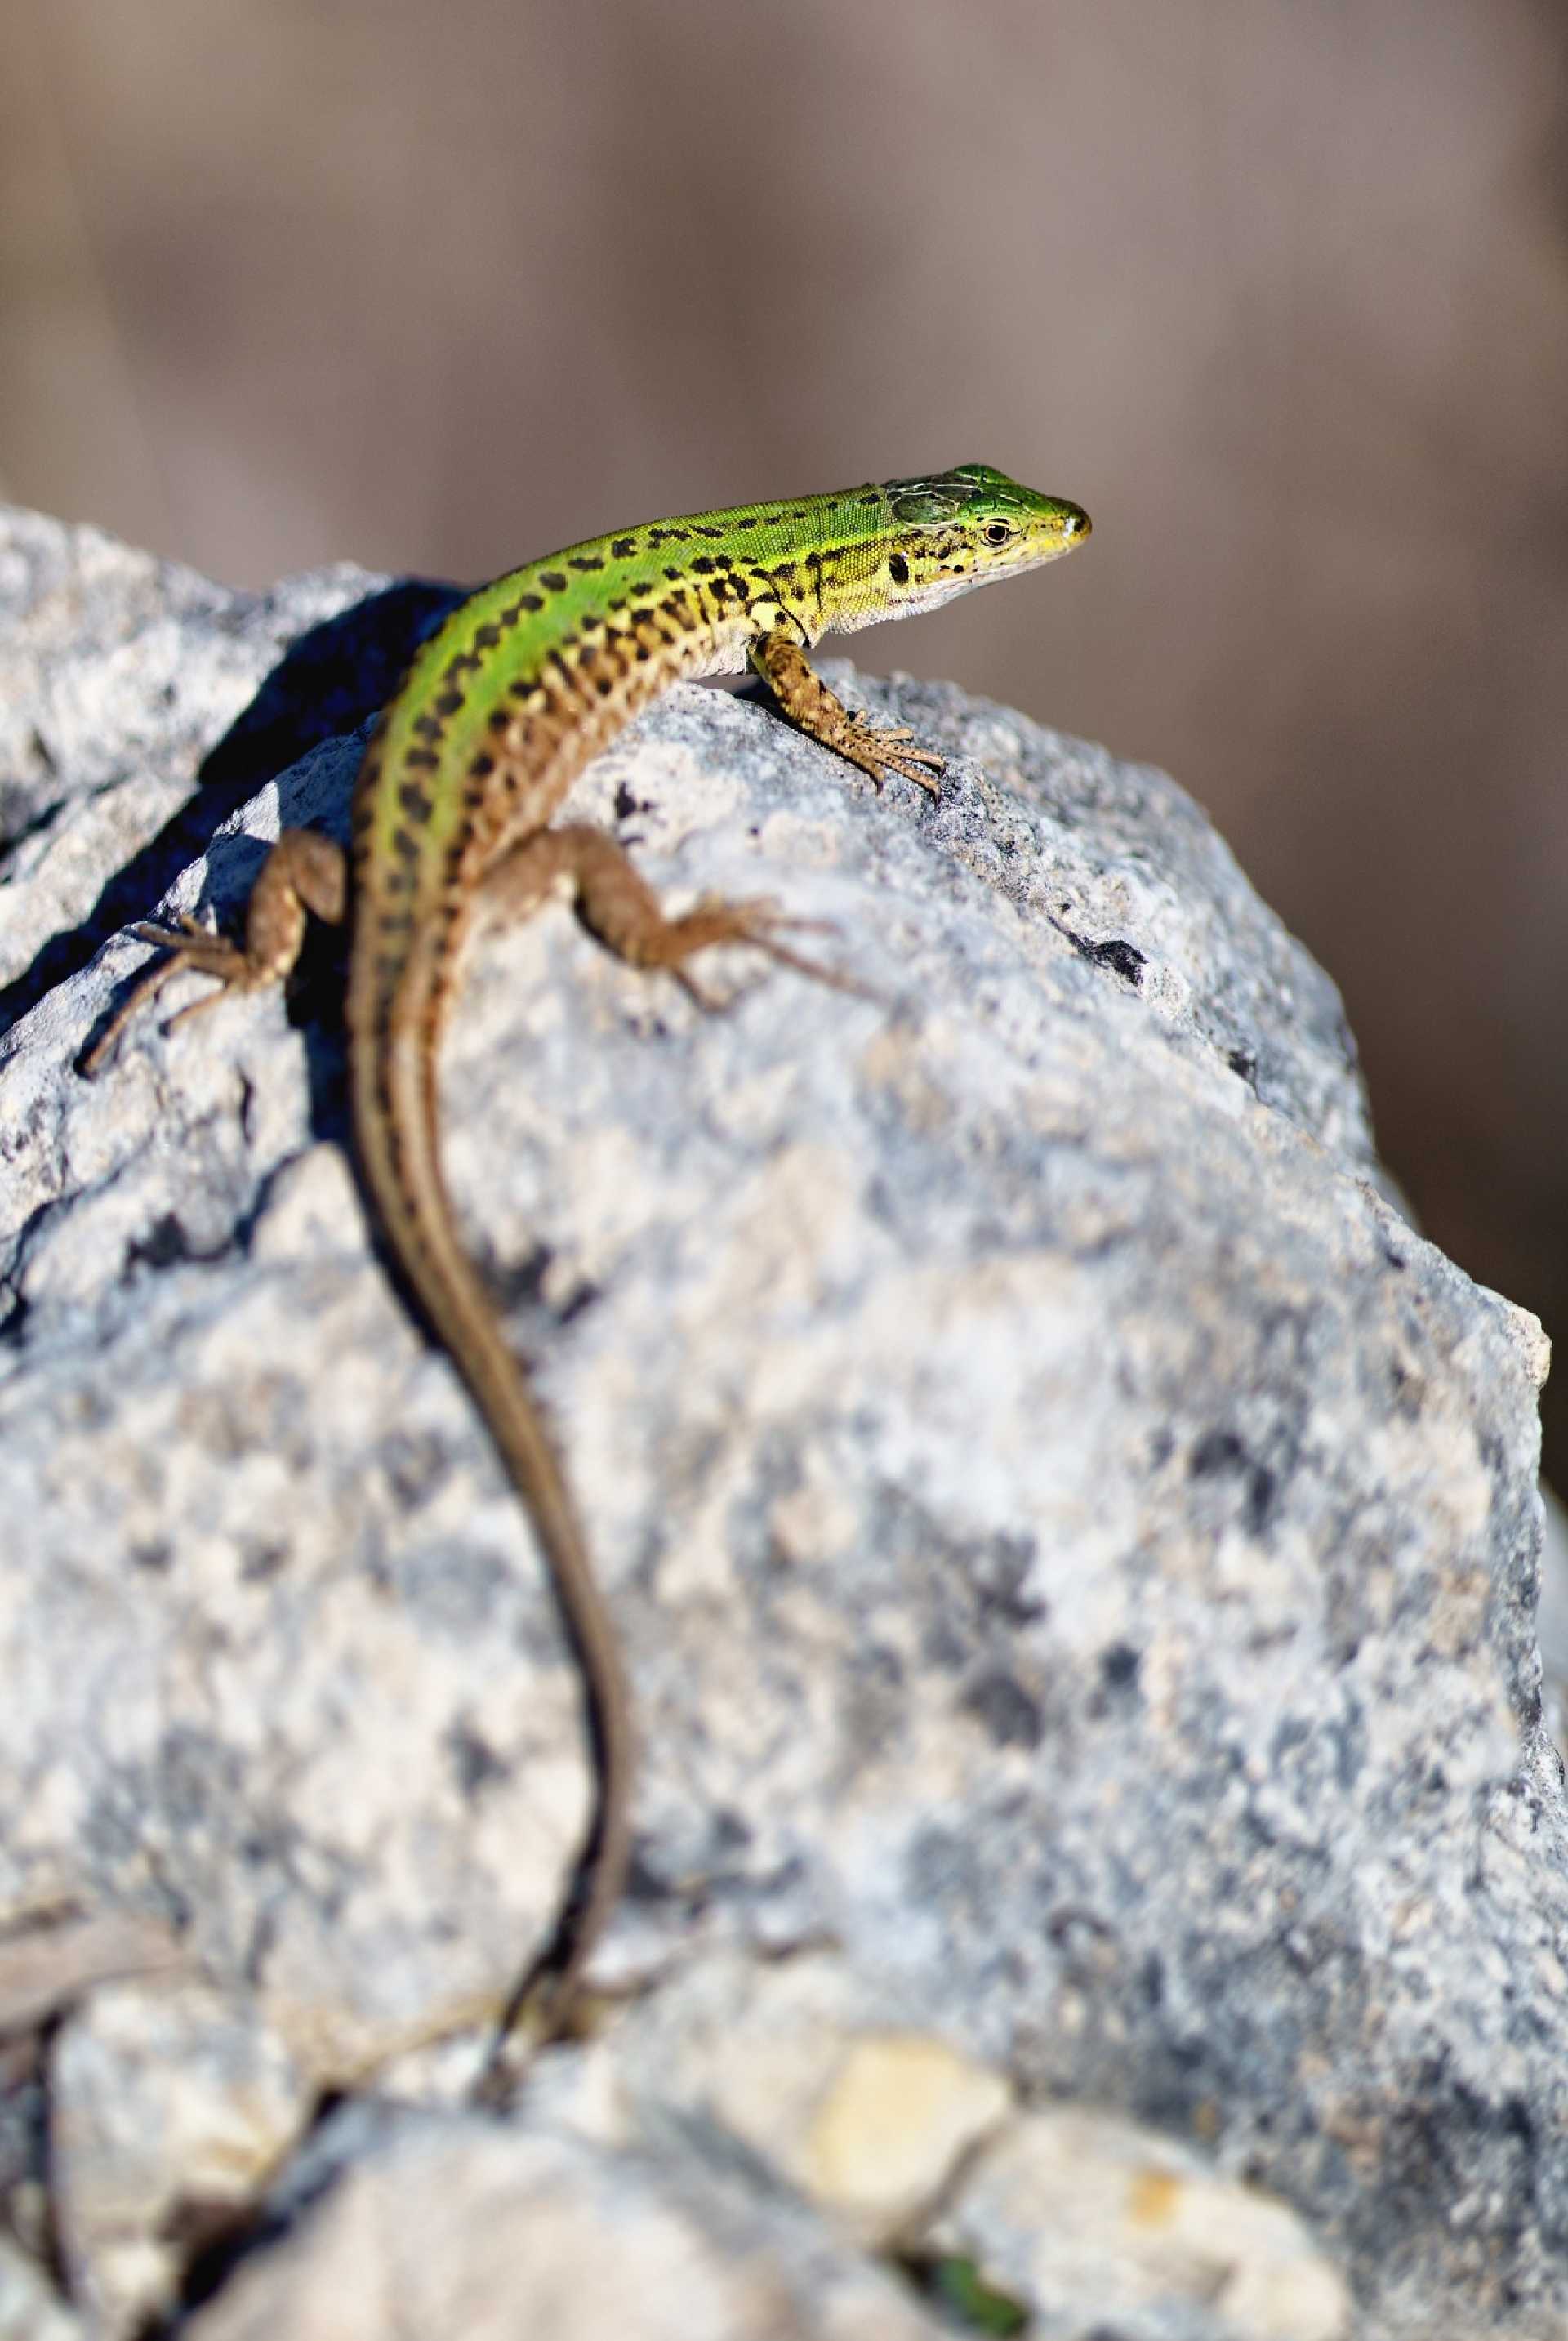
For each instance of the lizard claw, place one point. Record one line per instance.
(190, 944)
(880, 748)
(761, 923)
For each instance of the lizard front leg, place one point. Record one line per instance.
(807, 701)
(303, 872)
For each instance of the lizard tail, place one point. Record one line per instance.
(395, 1118)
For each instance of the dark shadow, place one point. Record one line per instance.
(329, 681)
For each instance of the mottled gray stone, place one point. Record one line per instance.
(44, 1968)
(1065, 2207)
(106, 717)
(1096, 2225)
(1075, 1543)
(170, 2111)
(30, 2308)
(404, 2223)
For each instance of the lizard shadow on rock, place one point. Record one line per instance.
(328, 681)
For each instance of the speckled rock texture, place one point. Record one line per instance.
(1075, 1543)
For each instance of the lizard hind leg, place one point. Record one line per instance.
(621, 909)
(305, 872)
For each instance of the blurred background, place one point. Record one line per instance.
(1277, 288)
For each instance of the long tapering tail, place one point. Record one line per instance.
(395, 1117)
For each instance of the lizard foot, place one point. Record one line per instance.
(759, 923)
(881, 749)
(190, 945)
(621, 911)
(303, 872)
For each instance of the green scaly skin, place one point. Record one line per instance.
(468, 765)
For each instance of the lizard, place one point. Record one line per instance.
(453, 814)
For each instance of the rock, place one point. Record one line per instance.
(30, 2309)
(1075, 1543)
(1065, 2207)
(108, 721)
(396, 2221)
(170, 2112)
(105, 718)
(443, 2224)
(813, 2072)
(45, 1968)
(1552, 1615)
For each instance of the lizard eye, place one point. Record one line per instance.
(998, 532)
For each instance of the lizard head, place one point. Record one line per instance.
(957, 530)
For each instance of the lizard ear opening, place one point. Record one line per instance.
(897, 569)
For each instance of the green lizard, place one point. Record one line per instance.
(468, 764)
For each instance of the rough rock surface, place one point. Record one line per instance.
(1076, 1546)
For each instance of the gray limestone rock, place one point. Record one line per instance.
(401, 2223)
(169, 2110)
(1075, 1543)
(30, 2307)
